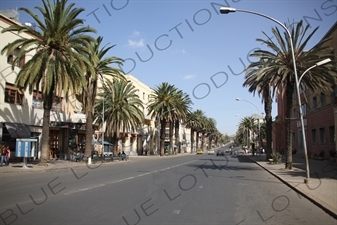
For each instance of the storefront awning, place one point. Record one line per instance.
(18, 130)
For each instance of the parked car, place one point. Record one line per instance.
(220, 152)
(199, 151)
(210, 152)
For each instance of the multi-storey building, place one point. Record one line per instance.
(21, 112)
(319, 113)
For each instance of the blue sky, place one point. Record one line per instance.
(189, 44)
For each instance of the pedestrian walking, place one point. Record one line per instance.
(3, 155)
(8, 155)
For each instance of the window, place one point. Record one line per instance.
(144, 95)
(304, 109)
(13, 95)
(314, 103)
(37, 100)
(12, 57)
(332, 134)
(322, 134)
(293, 138)
(323, 100)
(313, 135)
(56, 106)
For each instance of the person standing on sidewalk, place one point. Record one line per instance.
(3, 155)
(8, 155)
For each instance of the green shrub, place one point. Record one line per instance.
(276, 157)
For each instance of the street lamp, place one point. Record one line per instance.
(226, 10)
(258, 119)
(324, 61)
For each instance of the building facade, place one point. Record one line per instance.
(21, 112)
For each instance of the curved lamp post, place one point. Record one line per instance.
(258, 120)
(226, 10)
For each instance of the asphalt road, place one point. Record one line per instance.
(193, 189)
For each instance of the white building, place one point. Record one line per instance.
(21, 112)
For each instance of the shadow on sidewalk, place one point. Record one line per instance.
(318, 169)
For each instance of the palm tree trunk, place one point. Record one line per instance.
(115, 140)
(45, 147)
(268, 108)
(289, 98)
(171, 138)
(192, 140)
(162, 136)
(89, 131)
(88, 96)
(176, 135)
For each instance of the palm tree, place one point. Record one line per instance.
(182, 109)
(201, 128)
(122, 109)
(259, 81)
(192, 123)
(162, 104)
(58, 65)
(100, 68)
(247, 126)
(278, 63)
(210, 129)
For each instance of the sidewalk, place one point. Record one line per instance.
(32, 166)
(322, 189)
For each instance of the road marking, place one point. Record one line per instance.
(124, 179)
(176, 211)
(84, 189)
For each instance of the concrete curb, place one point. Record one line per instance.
(325, 207)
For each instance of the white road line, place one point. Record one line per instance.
(124, 179)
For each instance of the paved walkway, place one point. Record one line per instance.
(322, 189)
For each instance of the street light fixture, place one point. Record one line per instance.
(226, 10)
(324, 61)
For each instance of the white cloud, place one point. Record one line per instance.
(183, 51)
(189, 77)
(136, 33)
(136, 44)
(178, 51)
